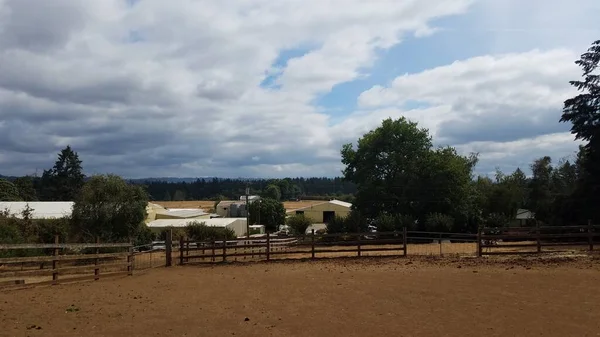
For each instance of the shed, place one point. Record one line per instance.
(325, 211)
(40, 209)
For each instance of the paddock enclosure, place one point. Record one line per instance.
(393, 296)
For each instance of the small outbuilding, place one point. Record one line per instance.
(325, 211)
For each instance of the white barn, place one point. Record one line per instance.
(40, 209)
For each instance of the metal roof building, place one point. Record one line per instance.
(40, 209)
(238, 225)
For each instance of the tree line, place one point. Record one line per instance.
(402, 180)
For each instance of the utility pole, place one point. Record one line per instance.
(247, 212)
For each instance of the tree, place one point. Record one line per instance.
(298, 223)
(268, 212)
(583, 112)
(179, 195)
(199, 231)
(26, 189)
(110, 208)
(64, 181)
(8, 191)
(397, 171)
(272, 192)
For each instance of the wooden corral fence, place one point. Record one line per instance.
(63, 262)
(269, 247)
(535, 240)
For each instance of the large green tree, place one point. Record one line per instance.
(8, 191)
(64, 181)
(583, 112)
(26, 188)
(272, 192)
(268, 212)
(397, 171)
(110, 208)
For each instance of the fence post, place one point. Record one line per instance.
(224, 249)
(169, 248)
(130, 259)
(538, 235)
(479, 241)
(312, 239)
(590, 235)
(213, 250)
(181, 250)
(440, 243)
(268, 246)
(96, 261)
(358, 250)
(55, 261)
(404, 240)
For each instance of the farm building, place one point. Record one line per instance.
(231, 209)
(238, 225)
(325, 211)
(157, 212)
(521, 218)
(39, 209)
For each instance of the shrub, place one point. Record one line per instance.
(438, 222)
(337, 225)
(177, 233)
(496, 220)
(298, 224)
(199, 231)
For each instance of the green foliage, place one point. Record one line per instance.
(437, 222)
(144, 235)
(272, 192)
(394, 222)
(8, 191)
(110, 208)
(397, 171)
(26, 188)
(582, 112)
(497, 220)
(199, 231)
(64, 181)
(298, 224)
(337, 225)
(268, 212)
(177, 233)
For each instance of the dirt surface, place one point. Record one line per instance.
(345, 297)
(207, 204)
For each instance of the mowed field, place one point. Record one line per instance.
(344, 297)
(207, 204)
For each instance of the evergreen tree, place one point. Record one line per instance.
(64, 181)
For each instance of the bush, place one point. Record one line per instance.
(337, 225)
(438, 222)
(199, 231)
(496, 220)
(298, 224)
(177, 233)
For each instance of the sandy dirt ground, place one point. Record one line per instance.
(346, 297)
(204, 204)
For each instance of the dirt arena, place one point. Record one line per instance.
(345, 297)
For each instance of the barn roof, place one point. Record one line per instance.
(40, 209)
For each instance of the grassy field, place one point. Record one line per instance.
(206, 205)
(368, 297)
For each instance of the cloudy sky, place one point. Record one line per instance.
(263, 88)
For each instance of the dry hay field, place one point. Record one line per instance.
(207, 204)
(414, 296)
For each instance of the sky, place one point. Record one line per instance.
(263, 88)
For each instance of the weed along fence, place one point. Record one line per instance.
(57, 262)
(535, 240)
(269, 247)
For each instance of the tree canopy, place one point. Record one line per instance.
(65, 179)
(397, 171)
(268, 212)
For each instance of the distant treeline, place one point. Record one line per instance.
(281, 189)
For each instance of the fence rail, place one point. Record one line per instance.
(16, 271)
(488, 239)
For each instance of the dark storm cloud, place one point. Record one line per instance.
(502, 124)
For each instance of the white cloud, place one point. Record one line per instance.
(173, 88)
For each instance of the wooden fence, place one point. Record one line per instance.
(65, 263)
(535, 239)
(305, 246)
